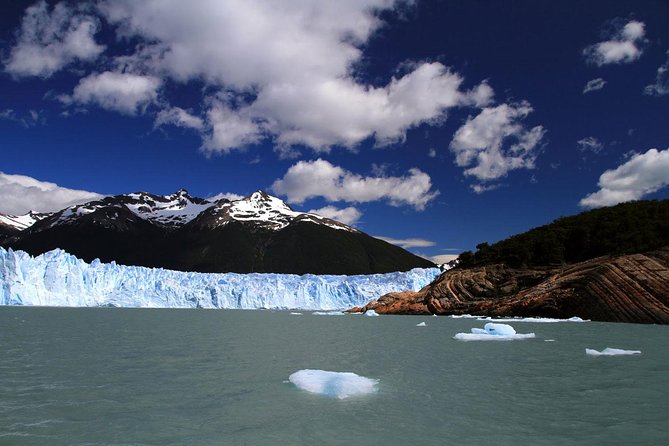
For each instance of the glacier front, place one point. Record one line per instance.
(57, 278)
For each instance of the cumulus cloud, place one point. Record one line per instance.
(594, 85)
(624, 45)
(348, 216)
(319, 178)
(289, 68)
(495, 142)
(590, 144)
(179, 117)
(661, 85)
(49, 41)
(125, 93)
(408, 242)
(20, 194)
(641, 175)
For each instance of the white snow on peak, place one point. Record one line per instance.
(333, 384)
(57, 278)
(176, 209)
(270, 212)
(22, 222)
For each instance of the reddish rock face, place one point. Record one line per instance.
(629, 288)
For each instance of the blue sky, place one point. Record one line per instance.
(438, 124)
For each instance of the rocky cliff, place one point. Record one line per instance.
(626, 288)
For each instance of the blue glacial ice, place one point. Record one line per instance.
(57, 278)
(333, 384)
(493, 332)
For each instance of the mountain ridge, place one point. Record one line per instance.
(258, 233)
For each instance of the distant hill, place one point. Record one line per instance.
(627, 228)
(258, 233)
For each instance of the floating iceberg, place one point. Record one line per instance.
(422, 324)
(371, 313)
(493, 332)
(333, 384)
(57, 278)
(540, 319)
(611, 352)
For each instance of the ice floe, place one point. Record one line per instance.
(333, 384)
(422, 324)
(493, 332)
(538, 319)
(328, 313)
(611, 352)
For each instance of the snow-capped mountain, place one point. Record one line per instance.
(259, 233)
(263, 210)
(21, 222)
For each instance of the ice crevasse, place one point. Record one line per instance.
(57, 278)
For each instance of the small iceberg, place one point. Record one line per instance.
(295, 313)
(328, 313)
(611, 352)
(541, 319)
(371, 313)
(333, 384)
(422, 324)
(493, 332)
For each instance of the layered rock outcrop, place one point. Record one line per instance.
(628, 288)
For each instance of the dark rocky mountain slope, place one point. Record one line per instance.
(259, 233)
(632, 287)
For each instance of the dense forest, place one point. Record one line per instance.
(623, 229)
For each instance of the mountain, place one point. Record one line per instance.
(258, 233)
(527, 275)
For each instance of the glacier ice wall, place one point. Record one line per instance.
(57, 278)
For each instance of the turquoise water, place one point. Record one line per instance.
(214, 377)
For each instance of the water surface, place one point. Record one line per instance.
(94, 376)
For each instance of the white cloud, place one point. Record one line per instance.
(481, 188)
(624, 45)
(27, 120)
(20, 194)
(125, 93)
(348, 216)
(443, 258)
(49, 41)
(479, 144)
(179, 117)
(225, 195)
(641, 175)
(408, 242)
(289, 68)
(432, 153)
(591, 144)
(661, 85)
(594, 85)
(230, 129)
(319, 178)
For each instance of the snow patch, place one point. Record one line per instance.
(493, 332)
(611, 352)
(333, 384)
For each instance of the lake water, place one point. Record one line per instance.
(94, 376)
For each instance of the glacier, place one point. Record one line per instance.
(59, 279)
